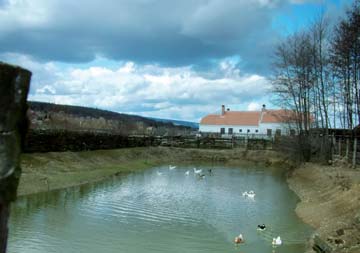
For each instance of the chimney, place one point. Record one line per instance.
(222, 109)
(263, 110)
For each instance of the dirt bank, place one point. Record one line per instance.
(330, 202)
(55, 170)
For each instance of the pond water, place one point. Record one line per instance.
(162, 210)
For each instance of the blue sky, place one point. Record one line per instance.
(156, 58)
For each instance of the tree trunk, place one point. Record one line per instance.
(14, 86)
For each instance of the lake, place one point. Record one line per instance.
(163, 210)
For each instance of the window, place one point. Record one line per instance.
(256, 131)
(240, 130)
(230, 131)
(269, 132)
(278, 132)
(222, 130)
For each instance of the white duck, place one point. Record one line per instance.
(158, 173)
(187, 173)
(276, 241)
(239, 239)
(171, 167)
(249, 194)
(197, 171)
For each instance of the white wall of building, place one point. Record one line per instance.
(236, 129)
(261, 129)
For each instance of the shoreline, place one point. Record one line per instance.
(42, 172)
(330, 203)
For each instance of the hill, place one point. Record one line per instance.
(48, 116)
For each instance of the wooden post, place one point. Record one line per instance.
(339, 147)
(347, 148)
(333, 145)
(354, 153)
(14, 86)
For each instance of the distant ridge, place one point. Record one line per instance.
(78, 118)
(178, 122)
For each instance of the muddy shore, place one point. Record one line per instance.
(43, 172)
(330, 202)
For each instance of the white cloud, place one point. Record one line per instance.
(149, 90)
(253, 106)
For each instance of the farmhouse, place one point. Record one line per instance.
(264, 122)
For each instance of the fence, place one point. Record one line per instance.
(216, 142)
(346, 147)
(60, 140)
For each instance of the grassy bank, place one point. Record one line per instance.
(330, 202)
(56, 170)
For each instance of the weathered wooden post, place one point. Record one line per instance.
(354, 152)
(339, 146)
(333, 145)
(14, 86)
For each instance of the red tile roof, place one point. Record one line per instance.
(247, 118)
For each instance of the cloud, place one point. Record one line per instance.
(149, 90)
(253, 106)
(171, 33)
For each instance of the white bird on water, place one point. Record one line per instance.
(276, 241)
(158, 173)
(171, 167)
(197, 171)
(187, 173)
(249, 194)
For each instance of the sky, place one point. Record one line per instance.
(174, 59)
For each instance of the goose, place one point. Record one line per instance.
(187, 173)
(276, 241)
(158, 173)
(261, 227)
(239, 239)
(197, 171)
(201, 176)
(171, 167)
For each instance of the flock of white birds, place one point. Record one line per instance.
(247, 194)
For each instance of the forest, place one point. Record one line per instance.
(315, 72)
